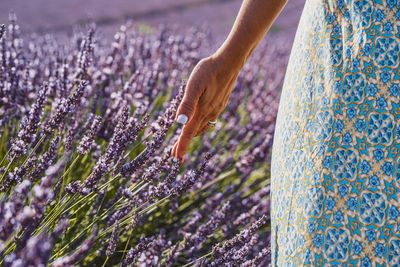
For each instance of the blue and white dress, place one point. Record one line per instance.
(335, 170)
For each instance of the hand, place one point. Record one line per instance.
(206, 96)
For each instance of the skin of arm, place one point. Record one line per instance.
(253, 21)
(213, 78)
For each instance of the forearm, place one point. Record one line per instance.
(253, 21)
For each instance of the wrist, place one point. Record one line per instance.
(234, 57)
(225, 66)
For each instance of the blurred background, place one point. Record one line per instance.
(216, 15)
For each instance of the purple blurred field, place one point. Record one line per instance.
(217, 15)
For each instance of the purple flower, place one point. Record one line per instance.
(18, 175)
(32, 121)
(88, 139)
(29, 124)
(65, 106)
(86, 53)
(143, 244)
(36, 253)
(258, 259)
(2, 30)
(221, 250)
(113, 151)
(45, 160)
(191, 178)
(112, 244)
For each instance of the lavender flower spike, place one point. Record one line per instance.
(262, 255)
(87, 141)
(45, 160)
(29, 125)
(65, 106)
(220, 251)
(2, 30)
(131, 256)
(191, 178)
(113, 151)
(112, 244)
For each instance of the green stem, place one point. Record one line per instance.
(66, 173)
(132, 188)
(85, 197)
(54, 213)
(30, 154)
(58, 210)
(6, 170)
(101, 205)
(192, 262)
(141, 142)
(11, 242)
(5, 156)
(104, 264)
(34, 149)
(196, 193)
(129, 216)
(221, 177)
(126, 245)
(75, 238)
(95, 220)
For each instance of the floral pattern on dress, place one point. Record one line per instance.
(335, 169)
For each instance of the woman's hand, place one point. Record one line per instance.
(213, 78)
(206, 96)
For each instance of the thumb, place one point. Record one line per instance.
(188, 105)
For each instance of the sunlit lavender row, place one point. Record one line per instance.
(87, 126)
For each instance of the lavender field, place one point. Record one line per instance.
(87, 124)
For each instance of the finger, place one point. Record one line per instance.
(189, 102)
(174, 149)
(187, 134)
(212, 115)
(175, 155)
(203, 128)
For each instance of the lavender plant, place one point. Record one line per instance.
(86, 132)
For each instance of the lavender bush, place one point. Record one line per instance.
(86, 132)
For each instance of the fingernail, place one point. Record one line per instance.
(175, 159)
(182, 119)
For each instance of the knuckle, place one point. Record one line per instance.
(214, 114)
(218, 106)
(203, 101)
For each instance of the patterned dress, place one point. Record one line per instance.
(335, 170)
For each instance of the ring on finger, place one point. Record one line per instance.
(212, 123)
